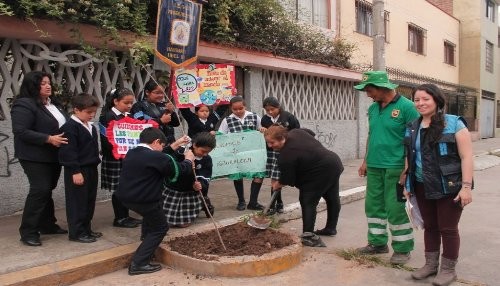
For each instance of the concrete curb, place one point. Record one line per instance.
(88, 266)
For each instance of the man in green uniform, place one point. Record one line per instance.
(384, 167)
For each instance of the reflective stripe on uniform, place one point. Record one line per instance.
(404, 237)
(377, 220)
(400, 226)
(377, 230)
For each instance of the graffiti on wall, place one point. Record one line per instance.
(326, 138)
(6, 160)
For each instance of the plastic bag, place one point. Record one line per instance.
(413, 213)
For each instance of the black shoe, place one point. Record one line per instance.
(125, 223)
(326, 232)
(56, 230)
(31, 241)
(312, 240)
(95, 234)
(271, 211)
(373, 249)
(255, 206)
(83, 239)
(148, 268)
(279, 208)
(134, 220)
(241, 206)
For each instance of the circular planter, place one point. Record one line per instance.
(235, 266)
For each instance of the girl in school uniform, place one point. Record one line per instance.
(240, 119)
(153, 106)
(276, 115)
(182, 202)
(117, 106)
(202, 120)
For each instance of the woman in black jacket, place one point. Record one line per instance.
(153, 106)
(36, 122)
(306, 164)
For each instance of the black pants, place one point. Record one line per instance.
(80, 201)
(309, 201)
(38, 211)
(154, 229)
(119, 209)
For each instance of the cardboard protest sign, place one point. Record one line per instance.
(203, 84)
(124, 134)
(239, 155)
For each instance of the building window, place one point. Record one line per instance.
(315, 12)
(489, 57)
(498, 113)
(490, 10)
(449, 53)
(416, 39)
(364, 19)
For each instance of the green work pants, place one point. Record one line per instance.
(382, 207)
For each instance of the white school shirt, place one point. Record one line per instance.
(87, 126)
(225, 129)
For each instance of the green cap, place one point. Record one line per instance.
(377, 78)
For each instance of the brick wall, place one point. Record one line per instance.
(445, 5)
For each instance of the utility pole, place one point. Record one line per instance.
(378, 35)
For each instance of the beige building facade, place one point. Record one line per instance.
(479, 55)
(420, 52)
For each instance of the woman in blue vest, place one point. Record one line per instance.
(439, 154)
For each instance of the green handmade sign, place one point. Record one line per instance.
(239, 155)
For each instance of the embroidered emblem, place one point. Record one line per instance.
(365, 77)
(395, 113)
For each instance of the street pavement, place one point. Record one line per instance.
(480, 248)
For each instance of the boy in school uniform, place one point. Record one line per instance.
(80, 158)
(144, 170)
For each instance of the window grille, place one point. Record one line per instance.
(490, 10)
(315, 12)
(310, 97)
(449, 53)
(489, 57)
(416, 39)
(364, 19)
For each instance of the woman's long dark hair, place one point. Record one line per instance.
(148, 87)
(437, 120)
(30, 87)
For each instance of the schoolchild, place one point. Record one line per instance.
(239, 120)
(182, 202)
(144, 170)
(276, 115)
(153, 106)
(202, 120)
(118, 105)
(80, 158)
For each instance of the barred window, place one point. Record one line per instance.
(498, 113)
(364, 19)
(490, 10)
(489, 57)
(416, 39)
(449, 53)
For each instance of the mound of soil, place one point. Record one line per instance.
(239, 239)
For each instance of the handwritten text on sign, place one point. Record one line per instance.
(124, 134)
(243, 152)
(204, 84)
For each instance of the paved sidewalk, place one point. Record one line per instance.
(57, 248)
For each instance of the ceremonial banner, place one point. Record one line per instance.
(204, 84)
(177, 32)
(124, 134)
(239, 155)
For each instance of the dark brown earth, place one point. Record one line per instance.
(239, 239)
